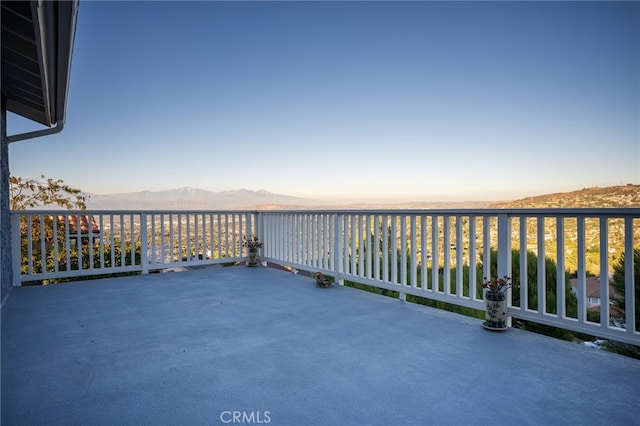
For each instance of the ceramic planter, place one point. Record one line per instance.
(324, 283)
(496, 311)
(253, 260)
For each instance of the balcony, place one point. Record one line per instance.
(193, 347)
(217, 344)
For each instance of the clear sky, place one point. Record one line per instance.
(404, 101)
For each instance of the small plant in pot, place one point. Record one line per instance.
(322, 280)
(496, 304)
(252, 244)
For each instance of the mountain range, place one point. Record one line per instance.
(193, 199)
(244, 199)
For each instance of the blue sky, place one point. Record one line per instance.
(366, 101)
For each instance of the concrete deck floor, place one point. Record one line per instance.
(191, 348)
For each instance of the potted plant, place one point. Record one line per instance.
(252, 244)
(496, 304)
(322, 280)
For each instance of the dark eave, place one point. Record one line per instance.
(37, 44)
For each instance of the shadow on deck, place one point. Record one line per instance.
(194, 347)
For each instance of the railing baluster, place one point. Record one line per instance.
(303, 242)
(414, 251)
(459, 259)
(111, 236)
(172, 242)
(345, 244)
(29, 245)
(524, 281)
(219, 239)
(369, 246)
(353, 248)
(561, 297)
(132, 240)
(629, 278)
(288, 246)
(295, 239)
(337, 247)
(197, 251)
(386, 244)
(203, 239)
(403, 251)
(101, 243)
(326, 240)
(361, 243)
(43, 248)
(446, 247)
(234, 237)
(227, 244)
(504, 252)
(54, 241)
(581, 272)
(435, 255)
(473, 294)
(541, 267)
(67, 241)
(376, 246)
(394, 249)
(486, 248)
(211, 242)
(604, 272)
(144, 242)
(123, 247)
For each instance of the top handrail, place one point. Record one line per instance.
(542, 211)
(482, 211)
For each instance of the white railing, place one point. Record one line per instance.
(441, 255)
(56, 244)
(445, 254)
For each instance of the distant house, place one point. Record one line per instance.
(88, 226)
(593, 297)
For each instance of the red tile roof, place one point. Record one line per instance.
(593, 287)
(84, 224)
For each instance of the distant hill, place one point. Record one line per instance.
(414, 205)
(191, 199)
(610, 196)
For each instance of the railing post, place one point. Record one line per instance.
(504, 253)
(248, 224)
(259, 231)
(504, 245)
(339, 251)
(335, 247)
(144, 244)
(604, 273)
(16, 255)
(629, 278)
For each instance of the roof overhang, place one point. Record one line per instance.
(37, 45)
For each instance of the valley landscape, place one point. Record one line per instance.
(243, 199)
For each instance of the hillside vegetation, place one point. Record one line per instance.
(624, 196)
(610, 196)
